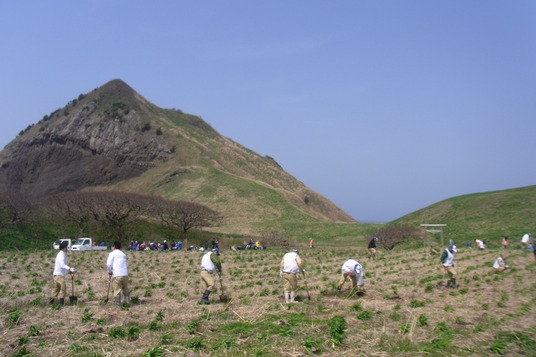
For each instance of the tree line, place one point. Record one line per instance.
(112, 214)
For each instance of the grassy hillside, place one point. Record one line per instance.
(487, 215)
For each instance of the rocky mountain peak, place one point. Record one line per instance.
(100, 137)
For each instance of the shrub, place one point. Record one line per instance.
(337, 330)
(117, 332)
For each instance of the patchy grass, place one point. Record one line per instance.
(406, 309)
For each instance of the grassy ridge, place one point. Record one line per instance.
(486, 215)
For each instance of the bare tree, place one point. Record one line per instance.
(72, 207)
(389, 237)
(117, 210)
(184, 215)
(16, 208)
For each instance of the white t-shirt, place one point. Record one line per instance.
(117, 263)
(353, 268)
(207, 264)
(290, 265)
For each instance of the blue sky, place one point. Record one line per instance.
(384, 107)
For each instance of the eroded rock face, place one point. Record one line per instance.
(103, 137)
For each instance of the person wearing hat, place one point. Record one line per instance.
(500, 264)
(290, 266)
(210, 262)
(165, 246)
(117, 266)
(60, 270)
(372, 248)
(447, 259)
(351, 268)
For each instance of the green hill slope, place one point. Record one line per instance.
(485, 215)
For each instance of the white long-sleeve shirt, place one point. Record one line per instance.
(353, 268)
(117, 263)
(60, 266)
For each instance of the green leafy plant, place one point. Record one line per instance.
(416, 303)
(337, 330)
(364, 315)
(34, 330)
(312, 346)
(192, 326)
(133, 333)
(404, 328)
(422, 320)
(117, 332)
(13, 318)
(86, 316)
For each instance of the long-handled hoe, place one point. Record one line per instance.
(223, 297)
(73, 299)
(306, 287)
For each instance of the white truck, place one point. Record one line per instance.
(87, 244)
(56, 244)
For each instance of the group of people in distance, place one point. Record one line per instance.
(137, 246)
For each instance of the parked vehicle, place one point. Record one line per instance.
(87, 244)
(56, 244)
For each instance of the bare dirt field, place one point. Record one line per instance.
(406, 310)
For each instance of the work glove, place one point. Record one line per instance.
(303, 270)
(72, 270)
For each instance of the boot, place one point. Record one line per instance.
(292, 297)
(127, 298)
(449, 284)
(205, 299)
(62, 301)
(287, 297)
(51, 301)
(453, 283)
(118, 300)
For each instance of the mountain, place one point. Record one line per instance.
(486, 215)
(114, 139)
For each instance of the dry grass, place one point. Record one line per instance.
(387, 321)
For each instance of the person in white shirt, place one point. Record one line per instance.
(210, 263)
(117, 266)
(60, 270)
(525, 240)
(500, 264)
(290, 266)
(447, 259)
(354, 270)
